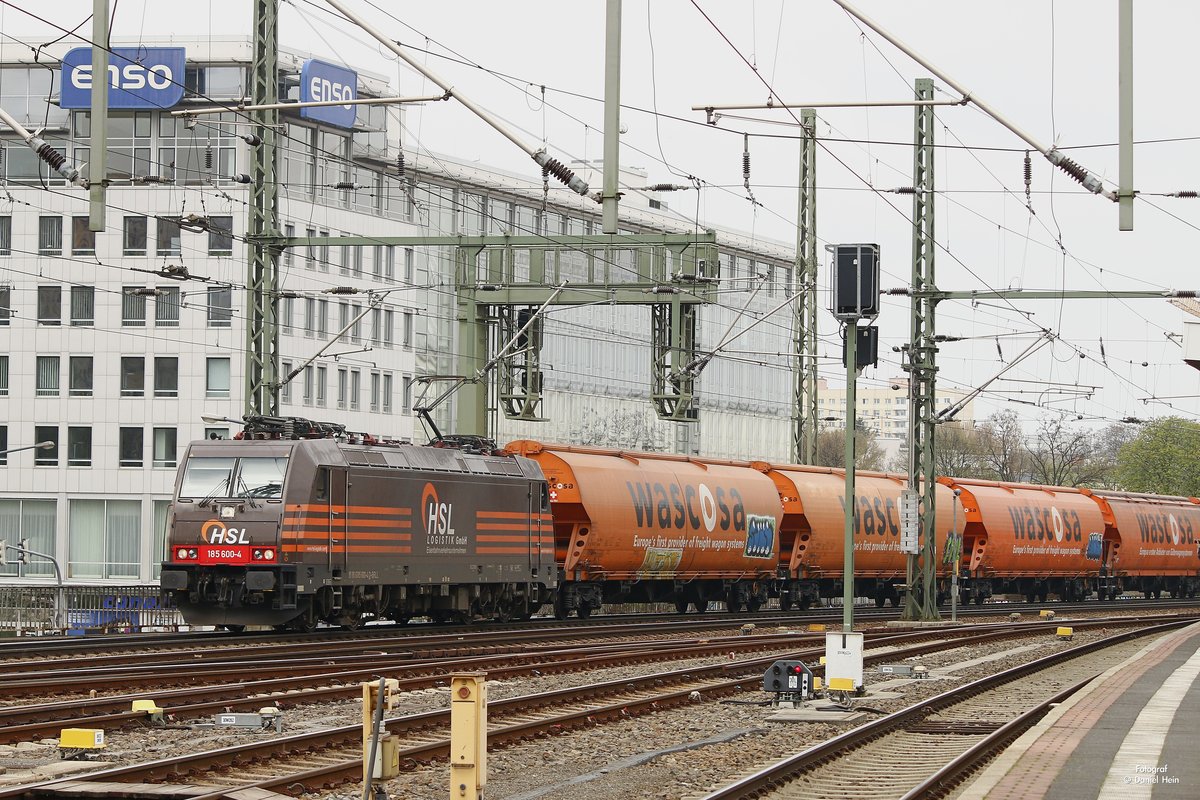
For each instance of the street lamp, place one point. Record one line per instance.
(39, 445)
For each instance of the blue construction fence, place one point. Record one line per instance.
(27, 610)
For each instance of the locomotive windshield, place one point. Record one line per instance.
(210, 477)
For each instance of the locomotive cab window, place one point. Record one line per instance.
(323, 484)
(261, 477)
(216, 477)
(206, 476)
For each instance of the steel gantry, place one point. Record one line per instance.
(673, 273)
(920, 364)
(262, 279)
(804, 409)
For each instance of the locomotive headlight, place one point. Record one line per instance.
(182, 553)
(268, 554)
(256, 553)
(192, 553)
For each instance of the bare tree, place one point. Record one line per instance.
(831, 449)
(1002, 447)
(1063, 455)
(958, 451)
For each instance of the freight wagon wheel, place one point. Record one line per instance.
(584, 612)
(234, 628)
(701, 606)
(754, 605)
(681, 606)
(306, 622)
(785, 603)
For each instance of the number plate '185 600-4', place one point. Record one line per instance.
(224, 554)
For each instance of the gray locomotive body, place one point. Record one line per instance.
(297, 531)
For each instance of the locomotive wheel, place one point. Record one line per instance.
(701, 606)
(560, 607)
(785, 603)
(880, 600)
(753, 605)
(584, 612)
(681, 606)
(732, 606)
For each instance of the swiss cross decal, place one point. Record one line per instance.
(553, 495)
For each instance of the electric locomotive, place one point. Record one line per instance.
(295, 522)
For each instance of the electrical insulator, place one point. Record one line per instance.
(400, 163)
(1028, 176)
(241, 177)
(208, 155)
(344, 185)
(746, 161)
(1187, 193)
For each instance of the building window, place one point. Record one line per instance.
(134, 239)
(285, 391)
(323, 318)
(3, 376)
(83, 306)
(47, 376)
(133, 307)
(323, 252)
(376, 262)
(355, 388)
(390, 260)
(133, 376)
(220, 236)
(310, 251)
(356, 329)
(83, 238)
(409, 270)
(344, 263)
(49, 305)
(49, 236)
(387, 393)
(81, 376)
(217, 382)
(35, 520)
(289, 257)
(341, 389)
(49, 456)
(132, 450)
(308, 385)
(343, 315)
(105, 538)
(220, 306)
(389, 328)
(5, 236)
(321, 380)
(79, 446)
(408, 330)
(216, 433)
(286, 309)
(3, 445)
(166, 376)
(5, 304)
(310, 313)
(374, 391)
(406, 385)
(164, 447)
(167, 303)
(377, 326)
(168, 237)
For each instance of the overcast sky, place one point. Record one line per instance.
(1048, 65)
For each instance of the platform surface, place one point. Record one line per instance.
(1131, 734)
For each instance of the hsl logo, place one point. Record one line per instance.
(138, 77)
(437, 514)
(215, 532)
(322, 81)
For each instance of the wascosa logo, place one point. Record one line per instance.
(215, 532)
(437, 514)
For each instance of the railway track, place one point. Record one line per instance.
(139, 648)
(246, 688)
(931, 745)
(331, 757)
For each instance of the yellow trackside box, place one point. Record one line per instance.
(1065, 634)
(81, 738)
(816, 627)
